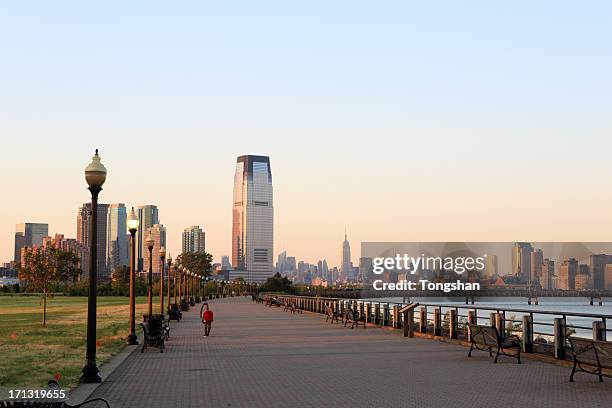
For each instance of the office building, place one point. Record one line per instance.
(252, 219)
(84, 237)
(548, 273)
(29, 234)
(118, 245)
(347, 265)
(598, 264)
(521, 261)
(566, 275)
(536, 262)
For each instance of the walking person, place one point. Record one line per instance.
(207, 319)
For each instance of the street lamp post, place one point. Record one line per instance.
(162, 257)
(177, 287)
(132, 224)
(95, 175)
(150, 243)
(168, 289)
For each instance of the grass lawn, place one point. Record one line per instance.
(30, 355)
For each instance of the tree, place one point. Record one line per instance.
(42, 267)
(121, 275)
(196, 262)
(277, 283)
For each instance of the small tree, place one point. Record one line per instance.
(42, 267)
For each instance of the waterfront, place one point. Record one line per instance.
(543, 313)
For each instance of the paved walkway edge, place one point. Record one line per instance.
(83, 391)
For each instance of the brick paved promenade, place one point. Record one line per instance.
(262, 357)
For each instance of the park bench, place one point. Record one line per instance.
(487, 338)
(352, 316)
(154, 336)
(595, 354)
(330, 314)
(174, 313)
(44, 403)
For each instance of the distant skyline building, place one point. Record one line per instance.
(158, 232)
(598, 264)
(29, 234)
(536, 261)
(366, 269)
(225, 263)
(347, 265)
(521, 260)
(193, 239)
(148, 216)
(548, 273)
(83, 237)
(252, 219)
(566, 275)
(118, 245)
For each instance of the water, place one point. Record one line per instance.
(542, 321)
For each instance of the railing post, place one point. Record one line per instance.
(395, 317)
(437, 322)
(385, 315)
(598, 331)
(452, 324)
(361, 311)
(369, 312)
(377, 314)
(527, 340)
(500, 324)
(423, 319)
(471, 320)
(492, 319)
(559, 330)
(409, 323)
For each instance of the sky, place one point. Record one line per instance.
(401, 121)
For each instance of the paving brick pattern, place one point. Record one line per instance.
(263, 357)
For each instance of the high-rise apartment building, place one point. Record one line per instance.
(84, 237)
(148, 215)
(29, 234)
(117, 253)
(225, 263)
(252, 219)
(158, 232)
(193, 239)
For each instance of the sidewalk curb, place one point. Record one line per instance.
(84, 391)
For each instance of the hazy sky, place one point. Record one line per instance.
(404, 121)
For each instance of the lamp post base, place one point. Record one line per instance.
(90, 374)
(132, 340)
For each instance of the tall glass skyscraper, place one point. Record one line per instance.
(117, 248)
(29, 234)
(253, 219)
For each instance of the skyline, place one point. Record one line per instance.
(356, 106)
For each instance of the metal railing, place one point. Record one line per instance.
(543, 332)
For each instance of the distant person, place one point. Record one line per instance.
(207, 319)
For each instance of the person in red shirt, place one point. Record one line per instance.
(207, 319)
